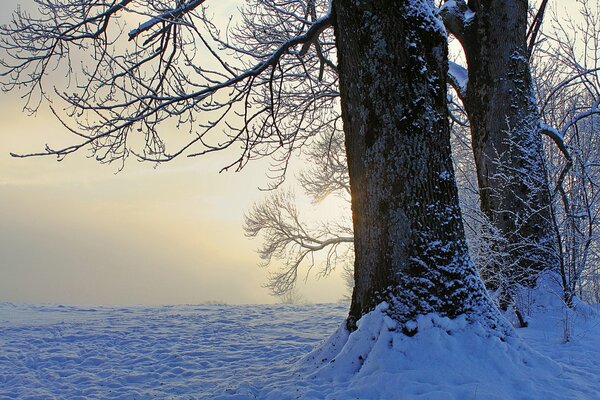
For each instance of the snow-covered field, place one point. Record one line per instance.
(180, 352)
(254, 352)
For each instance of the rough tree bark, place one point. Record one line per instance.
(409, 239)
(506, 139)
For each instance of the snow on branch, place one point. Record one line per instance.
(457, 15)
(557, 137)
(169, 16)
(458, 77)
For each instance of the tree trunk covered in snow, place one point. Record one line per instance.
(506, 139)
(409, 240)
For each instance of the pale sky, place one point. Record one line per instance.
(74, 232)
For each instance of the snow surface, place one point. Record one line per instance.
(264, 352)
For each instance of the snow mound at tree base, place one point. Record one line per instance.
(446, 359)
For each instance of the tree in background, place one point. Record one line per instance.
(565, 76)
(409, 240)
(506, 129)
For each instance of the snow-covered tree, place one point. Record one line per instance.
(174, 68)
(506, 135)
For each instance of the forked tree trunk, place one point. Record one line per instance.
(409, 240)
(507, 144)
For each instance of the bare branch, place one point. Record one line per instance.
(535, 26)
(287, 238)
(558, 139)
(164, 77)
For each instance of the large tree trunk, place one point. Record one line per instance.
(506, 139)
(409, 240)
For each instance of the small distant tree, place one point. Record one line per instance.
(291, 297)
